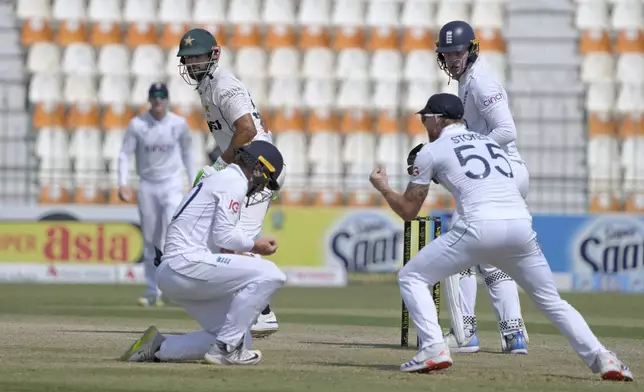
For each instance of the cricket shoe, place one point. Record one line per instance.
(515, 343)
(429, 359)
(610, 368)
(145, 347)
(224, 354)
(470, 345)
(265, 325)
(149, 302)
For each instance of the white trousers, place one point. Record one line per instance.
(224, 293)
(503, 293)
(157, 203)
(508, 244)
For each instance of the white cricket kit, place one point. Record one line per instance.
(224, 293)
(159, 148)
(495, 227)
(487, 112)
(225, 99)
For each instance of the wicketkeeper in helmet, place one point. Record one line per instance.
(234, 120)
(487, 112)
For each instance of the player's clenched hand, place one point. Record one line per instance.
(378, 178)
(125, 194)
(265, 246)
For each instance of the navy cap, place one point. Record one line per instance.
(446, 105)
(267, 154)
(158, 90)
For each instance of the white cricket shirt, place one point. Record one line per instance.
(476, 170)
(159, 148)
(225, 99)
(486, 108)
(206, 220)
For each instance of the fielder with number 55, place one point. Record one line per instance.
(234, 121)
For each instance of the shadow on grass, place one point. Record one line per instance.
(379, 367)
(126, 332)
(358, 345)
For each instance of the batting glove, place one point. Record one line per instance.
(209, 170)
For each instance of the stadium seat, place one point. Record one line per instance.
(171, 35)
(382, 18)
(318, 93)
(114, 59)
(209, 11)
(43, 57)
(52, 145)
(627, 15)
(70, 32)
(193, 114)
(353, 63)
(105, 33)
(348, 19)
(598, 67)
(418, 19)
(84, 114)
(355, 119)
(45, 87)
(448, 11)
(386, 95)
(495, 62)
(104, 11)
(630, 41)
(280, 17)
(630, 99)
(35, 30)
(326, 169)
(318, 63)
(420, 65)
(140, 11)
(284, 92)
(293, 146)
(69, 10)
(287, 120)
(391, 153)
(417, 94)
(630, 68)
(85, 150)
(592, 41)
(633, 164)
(359, 158)
(116, 116)
(141, 33)
(600, 97)
(181, 93)
(284, 62)
(487, 15)
(79, 89)
(114, 89)
(33, 9)
(592, 15)
(354, 93)
(174, 11)
(603, 163)
(386, 65)
(490, 40)
(79, 59)
(258, 90)
(245, 16)
(148, 60)
(251, 61)
(314, 16)
(48, 114)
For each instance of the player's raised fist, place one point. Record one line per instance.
(378, 178)
(265, 246)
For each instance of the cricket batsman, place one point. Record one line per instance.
(493, 227)
(234, 121)
(223, 292)
(160, 141)
(486, 111)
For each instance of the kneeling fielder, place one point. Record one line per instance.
(224, 292)
(495, 227)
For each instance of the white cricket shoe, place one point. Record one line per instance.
(265, 325)
(429, 359)
(470, 345)
(148, 302)
(224, 354)
(610, 368)
(145, 347)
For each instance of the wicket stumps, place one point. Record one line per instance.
(422, 241)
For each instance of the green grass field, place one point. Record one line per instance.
(67, 338)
